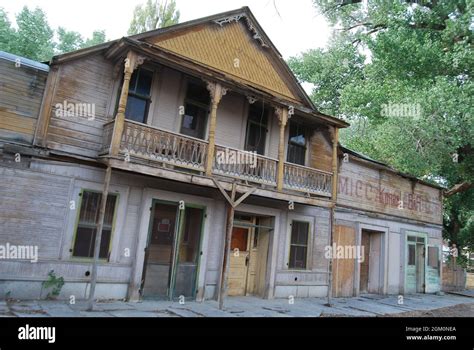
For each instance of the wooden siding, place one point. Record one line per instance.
(32, 209)
(218, 47)
(366, 188)
(320, 151)
(21, 91)
(343, 269)
(231, 122)
(88, 81)
(167, 97)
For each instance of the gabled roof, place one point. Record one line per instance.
(261, 66)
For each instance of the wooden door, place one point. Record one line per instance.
(239, 261)
(364, 266)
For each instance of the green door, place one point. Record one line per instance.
(410, 282)
(173, 251)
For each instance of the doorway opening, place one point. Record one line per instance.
(249, 255)
(415, 264)
(371, 267)
(173, 251)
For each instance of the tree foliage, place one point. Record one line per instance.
(152, 15)
(401, 73)
(34, 38)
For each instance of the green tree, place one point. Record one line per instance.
(6, 32)
(385, 56)
(98, 37)
(34, 37)
(68, 40)
(152, 15)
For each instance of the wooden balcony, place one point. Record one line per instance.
(140, 141)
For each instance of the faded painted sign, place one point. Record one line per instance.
(371, 189)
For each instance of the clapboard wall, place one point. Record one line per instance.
(22, 84)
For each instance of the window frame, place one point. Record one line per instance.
(147, 99)
(186, 100)
(259, 124)
(76, 226)
(294, 144)
(309, 251)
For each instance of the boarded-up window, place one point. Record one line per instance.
(299, 245)
(433, 257)
(87, 223)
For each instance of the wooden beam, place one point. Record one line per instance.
(98, 237)
(132, 61)
(216, 91)
(41, 133)
(223, 285)
(282, 114)
(335, 141)
(245, 195)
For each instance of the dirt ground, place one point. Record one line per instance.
(461, 310)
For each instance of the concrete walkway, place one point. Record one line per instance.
(366, 306)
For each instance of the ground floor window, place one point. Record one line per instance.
(87, 224)
(299, 245)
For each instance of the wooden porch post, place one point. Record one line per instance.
(225, 264)
(282, 114)
(132, 61)
(98, 237)
(335, 141)
(216, 91)
(231, 204)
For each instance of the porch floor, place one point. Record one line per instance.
(365, 306)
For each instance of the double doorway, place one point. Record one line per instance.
(173, 250)
(249, 255)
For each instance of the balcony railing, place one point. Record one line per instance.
(245, 165)
(144, 141)
(310, 180)
(154, 144)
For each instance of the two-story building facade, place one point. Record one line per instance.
(219, 174)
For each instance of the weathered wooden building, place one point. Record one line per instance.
(219, 174)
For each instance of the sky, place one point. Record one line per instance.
(293, 26)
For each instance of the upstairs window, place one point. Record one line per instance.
(87, 223)
(296, 144)
(196, 109)
(139, 95)
(256, 129)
